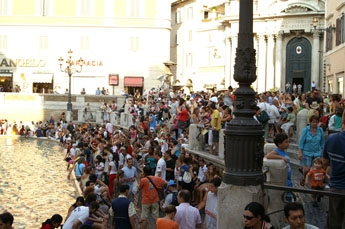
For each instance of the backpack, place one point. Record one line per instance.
(187, 177)
(174, 198)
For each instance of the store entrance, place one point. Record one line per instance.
(6, 84)
(132, 90)
(44, 88)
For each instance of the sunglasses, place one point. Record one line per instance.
(248, 217)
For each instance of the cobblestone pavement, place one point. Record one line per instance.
(33, 181)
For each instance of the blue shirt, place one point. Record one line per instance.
(311, 145)
(79, 169)
(334, 151)
(153, 122)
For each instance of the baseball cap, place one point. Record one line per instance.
(171, 182)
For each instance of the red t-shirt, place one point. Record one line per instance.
(316, 177)
(183, 115)
(166, 224)
(149, 193)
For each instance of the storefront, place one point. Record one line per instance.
(132, 84)
(42, 83)
(6, 81)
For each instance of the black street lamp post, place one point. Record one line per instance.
(244, 135)
(70, 71)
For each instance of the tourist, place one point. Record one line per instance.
(168, 221)
(210, 202)
(216, 126)
(170, 166)
(123, 210)
(281, 140)
(294, 216)
(255, 217)
(80, 215)
(112, 172)
(6, 220)
(290, 121)
(187, 216)
(161, 165)
(54, 222)
(79, 168)
(130, 176)
(310, 145)
(151, 187)
(79, 202)
(317, 175)
(333, 156)
(171, 198)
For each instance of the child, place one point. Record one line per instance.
(317, 175)
(282, 142)
(290, 120)
(168, 221)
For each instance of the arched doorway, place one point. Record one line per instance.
(298, 62)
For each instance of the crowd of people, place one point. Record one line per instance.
(114, 166)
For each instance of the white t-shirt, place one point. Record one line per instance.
(99, 168)
(113, 168)
(306, 226)
(201, 173)
(161, 167)
(109, 127)
(80, 213)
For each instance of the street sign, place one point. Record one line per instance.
(114, 79)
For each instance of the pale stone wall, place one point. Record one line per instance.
(40, 107)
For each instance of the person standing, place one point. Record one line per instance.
(187, 216)
(123, 210)
(80, 215)
(130, 175)
(151, 186)
(287, 87)
(170, 166)
(161, 166)
(334, 155)
(310, 145)
(216, 126)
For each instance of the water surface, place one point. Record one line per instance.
(33, 181)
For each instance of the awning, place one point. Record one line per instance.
(6, 74)
(41, 78)
(134, 81)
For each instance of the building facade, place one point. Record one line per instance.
(128, 39)
(289, 48)
(335, 46)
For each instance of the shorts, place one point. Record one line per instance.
(308, 161)
(149, 209)
(215, 134)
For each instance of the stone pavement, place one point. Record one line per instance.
(33, 181)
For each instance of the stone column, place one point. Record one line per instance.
(315, 64)
(270, 63)
(227, 72)
(278, 67)
(233, 55)
(262, 64)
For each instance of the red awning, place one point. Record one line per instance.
(134, 81)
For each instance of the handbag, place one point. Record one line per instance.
(159, 191)
(263, 117)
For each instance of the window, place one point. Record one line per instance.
(340, 85)
(330, 86)
(329, 38)
(85, 8)
(4, 9)
(134, 44)
(189, 60)
(43, 42)
(340, 31)
(45, 7)
(135, 8)
(84, 42)
(190, 35)
(190, 13)
(3, 42)
(205, 14)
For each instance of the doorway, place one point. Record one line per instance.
(43, 88)
(298, 62)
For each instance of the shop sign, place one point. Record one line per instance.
(93, 63)
(7, 62)
(114, 79)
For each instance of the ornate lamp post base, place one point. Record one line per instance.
(69, 106)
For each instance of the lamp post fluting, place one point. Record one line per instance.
(244, 135)
(70, 71)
